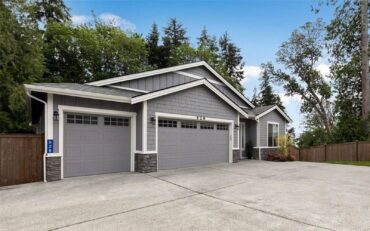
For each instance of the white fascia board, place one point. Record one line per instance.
(76, 93)
(227, 100)
(127, 88)
(196, 77)
(153, 95)
(275, 108)
(167, 91)
(166, 70)
(143, 74)
(228, 84)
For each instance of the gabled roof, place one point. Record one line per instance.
(166, 70)
(259, 112)
(184, 86)
(81, 90)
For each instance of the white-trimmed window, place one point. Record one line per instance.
(116, 121)
(272, 134)
(167, 123)
(82, 119)
(189, 124)
(207, 126)
(222, 127)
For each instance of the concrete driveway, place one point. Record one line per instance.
(249, 195)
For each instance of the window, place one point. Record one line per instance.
(222, 127)
(116, 121)
(189, 124)
(167, 123)
(273, 133)
(82, 119)
(207, 126)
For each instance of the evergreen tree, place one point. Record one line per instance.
(174, 37)
(266, 96)
(21, 61)
(49, 10)
(207, 48)
(232, 60)
(153, 46)
(344, 43)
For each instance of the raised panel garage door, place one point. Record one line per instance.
(185, 144)
(96, 145)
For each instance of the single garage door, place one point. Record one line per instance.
(191, 143)
(96, 144)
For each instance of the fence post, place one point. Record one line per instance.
(326, 159)
(356, 150)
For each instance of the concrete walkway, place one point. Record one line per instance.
(249, 195)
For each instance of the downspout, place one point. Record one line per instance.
(258, 139)
(46, 130)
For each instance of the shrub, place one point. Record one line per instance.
(284, 141)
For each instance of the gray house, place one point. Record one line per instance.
(181, 116)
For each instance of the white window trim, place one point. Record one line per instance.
(64, 108)
(194, 118)
(278, 129)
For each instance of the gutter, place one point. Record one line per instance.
(46, 131)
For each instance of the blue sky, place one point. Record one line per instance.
(257, 27)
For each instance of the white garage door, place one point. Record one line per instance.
(96, 144)
(191, 143)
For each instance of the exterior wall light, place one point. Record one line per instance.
(56, 116)
(152, 120)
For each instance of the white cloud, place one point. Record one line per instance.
(107, 18)
(117, 21)
(286, 100)
(323, 68)
(251, 72)
(80, 19)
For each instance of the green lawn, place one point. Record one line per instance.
(358, 163)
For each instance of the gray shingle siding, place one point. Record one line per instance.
(198, 101)
(89, 103)
(273, 116)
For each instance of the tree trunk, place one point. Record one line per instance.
(365, 58)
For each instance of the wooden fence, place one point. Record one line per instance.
(21, 158)
(354, 151)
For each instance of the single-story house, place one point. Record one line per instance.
(181, 116)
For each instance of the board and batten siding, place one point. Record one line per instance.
(89, 103)
(197, 101)
(157, 82)
(275, 117)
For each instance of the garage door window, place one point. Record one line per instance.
(222, 127)
(167, 123)
(207, 126)
(116, 121)
(82, 119)
(188, 124)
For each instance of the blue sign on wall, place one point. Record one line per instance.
(50, 146)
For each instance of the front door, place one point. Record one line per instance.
(242, 140)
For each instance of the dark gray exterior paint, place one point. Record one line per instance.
(197, 101)
(186, 147)
(251, 131)
(273, 116)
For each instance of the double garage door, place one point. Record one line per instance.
(96, 144)
(191, 143)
